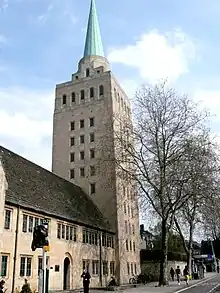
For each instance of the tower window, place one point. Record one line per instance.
(72, 125)
(92, 137)
(91, 122)
(82, 172)
(82, 139)
(101, 90)
(92, 154)
(81, 123)
(77, 77)
(82, 95)
(82, 155)
(72, 141)
(72, 173)
(126, 244)
(87, 72)
(73, 97)
(91, 92)
(64, 99)
(92, 188)
(72, 157)
(92, 170)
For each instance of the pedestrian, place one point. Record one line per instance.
(26, 287)
(178, 273)
(186, 275)
(86, 280)
(2, 284)
(172, 273)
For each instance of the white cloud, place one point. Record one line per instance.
(157, 56)
(3, 5)
(26, 123)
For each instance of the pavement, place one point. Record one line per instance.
(207, 285)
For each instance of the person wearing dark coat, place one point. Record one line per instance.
(2, 283)
(172, 273)
(86, 280)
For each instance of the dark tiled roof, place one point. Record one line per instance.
(33, 187)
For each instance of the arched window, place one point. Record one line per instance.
(64, 99)
(73, 97)
(101, 90)
(87, 72)
(91, 92)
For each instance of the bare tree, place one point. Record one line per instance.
(202, 172)
(148, 152)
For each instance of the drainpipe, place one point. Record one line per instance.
(15, 250)
(100, 258)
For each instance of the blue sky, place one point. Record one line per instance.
(41, 42)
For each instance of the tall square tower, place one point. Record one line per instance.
(84, 145)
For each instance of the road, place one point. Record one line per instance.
(209, 286)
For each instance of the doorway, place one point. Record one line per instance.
(66, 274)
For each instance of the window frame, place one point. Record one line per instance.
(9, 222)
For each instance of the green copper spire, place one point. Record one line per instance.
(93, 44)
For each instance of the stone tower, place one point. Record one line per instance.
(83, 144)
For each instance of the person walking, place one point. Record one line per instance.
(86, 280)
(186, 275)
(2, 284)
(178, 273)
(172, 273)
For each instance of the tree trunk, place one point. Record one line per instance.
(190, 250)
(164, 249)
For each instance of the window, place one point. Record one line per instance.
(130, 246)
(128, 268)
(82, 155)
(134, 248)
(129, 226)
(72, 157)
(90, 237)
(92, 170)
(40, 263)
(92, 154)
(4, 265)
(132, 271)
(67, 232)
(7, 219)
(81, 123)
(77, 77)
(72, 233)
(112, 268)
(105, 268)
(87, 72)
(73, 97)
(57, 268)
(95, 267)
(92, 188)
(82, 172)
(107, 240)
(82, 139)
(101, 90)
(64, 99)
(63, 231)
(92, 137)
(25, 221)
(135, 269)
(91, 92)
(30, 224)
(72, 125)
(98, 71)
(72, 173)
(72, 141)
(126, 227)
(91, 122)
(25, 266)
(126, 244)
(36, 221)
(58, 231)
(125, 208)
(82, 95)
(86, 264)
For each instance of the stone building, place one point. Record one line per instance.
(29, 194)
(86, 108)
(92, 211)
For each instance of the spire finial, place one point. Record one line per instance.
(93, 43)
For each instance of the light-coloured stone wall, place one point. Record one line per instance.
(59, 250)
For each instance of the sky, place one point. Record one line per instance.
(41, 42)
